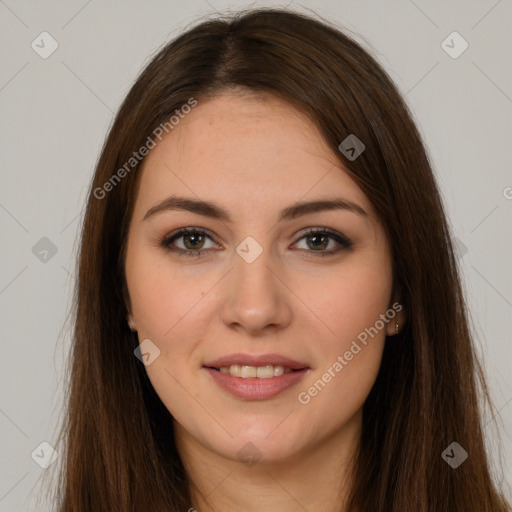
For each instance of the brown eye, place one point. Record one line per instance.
(318, 240)
(187, 242)
(193, 240)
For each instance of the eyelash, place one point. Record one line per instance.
(344, 242)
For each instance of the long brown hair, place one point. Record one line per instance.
(118, 447)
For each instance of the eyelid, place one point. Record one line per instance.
(171, 237)
(323, 230)
(338, 237)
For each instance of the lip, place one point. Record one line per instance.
(253, 388)
(253, 360)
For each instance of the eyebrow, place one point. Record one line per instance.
(209, 209)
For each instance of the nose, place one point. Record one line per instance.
(256, 297)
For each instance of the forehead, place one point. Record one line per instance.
(242, 149)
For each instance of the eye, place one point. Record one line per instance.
(317, 240)
(190, 242)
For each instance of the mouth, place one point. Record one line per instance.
(256, 377)
(259, 372)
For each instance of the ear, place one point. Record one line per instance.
(128, 304)
(396, 317)
(131, 323)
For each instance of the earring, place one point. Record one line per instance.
(396, 327)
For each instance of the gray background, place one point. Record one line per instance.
(55, 113)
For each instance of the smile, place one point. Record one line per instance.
(260, 372)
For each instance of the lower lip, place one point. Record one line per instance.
(254, 388)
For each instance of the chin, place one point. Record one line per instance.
(258, 442)
(252, 451)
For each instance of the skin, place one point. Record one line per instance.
(254, 156)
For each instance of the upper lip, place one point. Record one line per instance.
(253, 360)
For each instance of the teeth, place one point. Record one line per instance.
(235, 370)
(265, 372)
(261, 372)
(248, 371)
(278, 370)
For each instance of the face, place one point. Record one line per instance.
(259, 292)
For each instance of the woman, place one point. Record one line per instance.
(269, 313)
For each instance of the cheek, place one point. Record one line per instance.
(172, 308)
(352, 351)
(350, 301)
(162, 295)
(168, 309)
